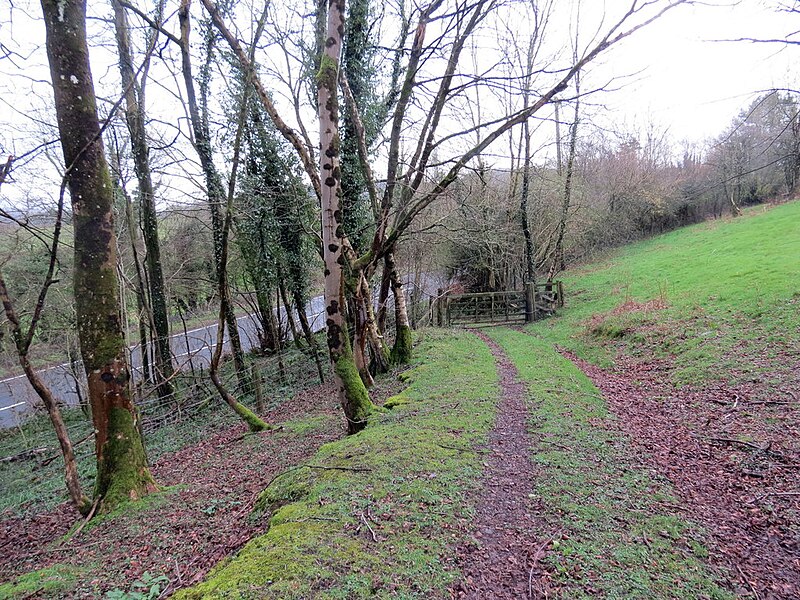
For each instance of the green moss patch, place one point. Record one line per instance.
(52, 582)
(373, 514)
(617, 540)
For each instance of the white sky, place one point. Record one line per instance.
(693, 85)
(681, 79)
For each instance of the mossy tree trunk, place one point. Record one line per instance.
(135, 117)
(360, 335)
(401, 351)
(122, 472)
(252, 420)
(352, 392)
(380, 354)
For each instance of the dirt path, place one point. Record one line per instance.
(745, 495)
(504, 561)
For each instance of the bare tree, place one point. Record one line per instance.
(407, 192)
(135, 118)
(23, 337)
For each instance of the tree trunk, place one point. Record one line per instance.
(122, 472)
(80, 501)
(143, 310)
(360, 335)
(380, 354)
(289, 317)
(558, 263)
(383, 298)
(215, 191)
(309, 335)
(352, 393)
(530, 250)
(401, 351)
(135, 117)
(271, 340)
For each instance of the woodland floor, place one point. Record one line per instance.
(200, 516)
(729, 454)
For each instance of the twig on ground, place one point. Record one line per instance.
(758, 499)
(748, 445)
(537, 555)
(178, 573)
(85, 521)
(25, 454)
(372, 532)
(747, 581)
(354, 469)
(321, 467)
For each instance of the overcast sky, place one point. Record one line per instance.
(693, 84)
(675, 74)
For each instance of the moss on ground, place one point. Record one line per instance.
(403, 481)
(617, 541)
(52, 582)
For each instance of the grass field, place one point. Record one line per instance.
(715, 297)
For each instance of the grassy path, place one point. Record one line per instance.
(382, 514)
(619, 537)
(503, 562)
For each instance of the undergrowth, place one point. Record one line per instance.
(372, 515)
(36, 482)
(615, 539)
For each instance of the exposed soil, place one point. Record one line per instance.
(732, 455)
(505, 559)
(200, 517)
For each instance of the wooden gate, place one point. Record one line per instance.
(491, 308)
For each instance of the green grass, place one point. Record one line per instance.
(52, 582)
(618, 541)
(731, 290)
(422, 461)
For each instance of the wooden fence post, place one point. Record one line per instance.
(439, 300)
(259, 392)
(530, 302)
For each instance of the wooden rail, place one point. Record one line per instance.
(491, 308)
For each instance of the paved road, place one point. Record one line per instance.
(193, 349)
(190, 350)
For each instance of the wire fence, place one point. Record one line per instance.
(31, 468)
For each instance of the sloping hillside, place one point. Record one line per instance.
(643, 443)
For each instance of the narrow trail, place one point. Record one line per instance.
(505, 560)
